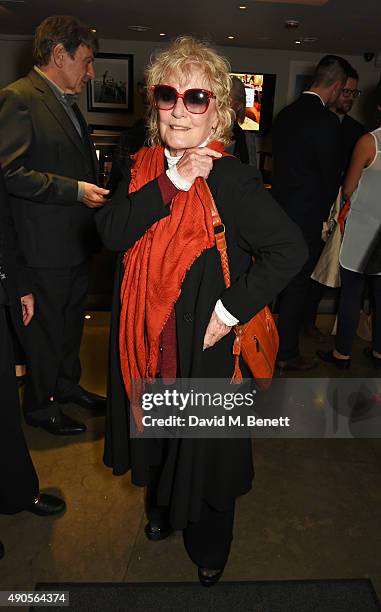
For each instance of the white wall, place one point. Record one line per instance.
(15, 52)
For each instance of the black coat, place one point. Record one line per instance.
(43, 158)
(216, 470)
(307, 161)
(14, 277)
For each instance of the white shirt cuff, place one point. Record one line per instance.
(178, 181)
(224, 314)
(81, 191)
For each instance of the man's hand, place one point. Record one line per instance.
(215, 331)
(197, 162)
(94, 196)
(27, 305)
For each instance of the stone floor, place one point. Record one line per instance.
(314, 511)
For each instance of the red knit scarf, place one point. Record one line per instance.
(155, 267)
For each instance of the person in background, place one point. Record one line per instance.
(243, 146)
(172, 314)
(19, 485)
(50, 169)
(307, 174)
(360, 255)
(351, 129)
(130, 141)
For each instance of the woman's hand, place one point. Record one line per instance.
(215, 331)
(197, 162)
(27, 306)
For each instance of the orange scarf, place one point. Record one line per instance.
(155, 267)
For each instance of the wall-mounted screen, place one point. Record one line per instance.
(260, 89)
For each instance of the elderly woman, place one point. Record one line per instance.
(172, 314)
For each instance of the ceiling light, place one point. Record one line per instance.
(242, 7)
(309, 39)
(231, 37)
(298, 42)
(93, 30)
(139, 28)
(162, 34)
(87, 316)
(291, 24)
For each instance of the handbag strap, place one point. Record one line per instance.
(219, 232)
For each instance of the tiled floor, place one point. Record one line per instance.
(314, 511)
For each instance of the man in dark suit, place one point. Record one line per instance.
(50, 170)
(306, 180)
(19, 486)
(351, 130)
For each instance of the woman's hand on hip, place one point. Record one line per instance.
(197, 162)
(215, 331)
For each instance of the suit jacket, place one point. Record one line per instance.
(351, 131)
(307, 161)
(43, 158)
(14, 276)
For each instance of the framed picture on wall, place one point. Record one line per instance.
(300, 78)
(111, 91)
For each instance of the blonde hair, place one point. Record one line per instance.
(179, 58)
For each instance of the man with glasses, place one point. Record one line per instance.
(351, 130)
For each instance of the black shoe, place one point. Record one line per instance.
(368, 352)
(47, 505)
(155, 533)
(59, 425)
(1, 550)
(209, 580)
(329, 357)
(296, 364)
(84, 398)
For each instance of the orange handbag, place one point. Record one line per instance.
(257, 340)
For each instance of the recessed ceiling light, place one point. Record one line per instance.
(242, 7)
(162, 34)
(309, 39)
(231, 37)
(87, 316)
(298, 42)
(93, 30)
(291, 24)
(139, 28)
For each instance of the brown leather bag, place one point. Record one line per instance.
(257, 340)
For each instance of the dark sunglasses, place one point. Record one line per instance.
(355, 93)
(196, 101)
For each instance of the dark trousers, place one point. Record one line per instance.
(298, 302)
(53, 338)
(352, 290)
(18, 479)
(208, 541)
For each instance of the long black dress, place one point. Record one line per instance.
(214, 470)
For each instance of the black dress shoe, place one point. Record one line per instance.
(47, 505)
(59, 425)
(84, 398)
(209, 577)
(155, 533)
(1, 550)
(329, 357)
(296, 364)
